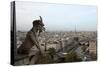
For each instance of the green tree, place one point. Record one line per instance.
(72, 57)
(47, 57)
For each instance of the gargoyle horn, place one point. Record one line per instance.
(41, 20)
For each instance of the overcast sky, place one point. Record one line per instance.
(56, 17)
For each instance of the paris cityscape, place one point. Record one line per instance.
(65, 42)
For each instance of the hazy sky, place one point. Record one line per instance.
(56, 17)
